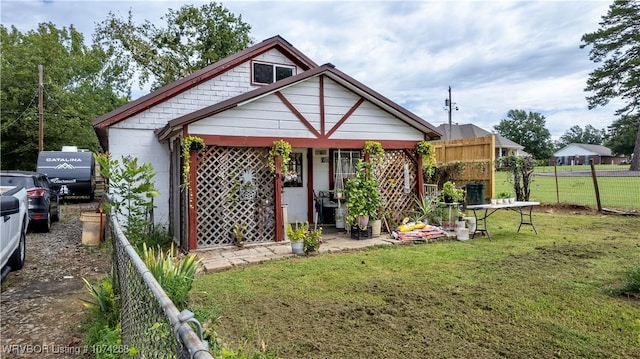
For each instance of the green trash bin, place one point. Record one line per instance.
(475, 193)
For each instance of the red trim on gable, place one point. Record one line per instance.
(297, 113)
(345, 117)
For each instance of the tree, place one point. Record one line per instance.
(192, 39)
(616, 47)
(80, 83)
(589, 135)
(527, 129)
(621, 136)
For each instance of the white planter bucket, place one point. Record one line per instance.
(471, 224)
(462, 234)
(297, 247)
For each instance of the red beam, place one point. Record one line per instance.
(191, 198)
(267, 141)
(277, 200)
(295, 111)
(345, 117)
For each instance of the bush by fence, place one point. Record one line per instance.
(150, 321)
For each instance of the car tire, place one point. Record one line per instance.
(56, 216)
(46, 225)
(16, 261)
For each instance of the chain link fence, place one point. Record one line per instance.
(610, 187)
(151, 323)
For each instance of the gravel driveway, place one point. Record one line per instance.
(41, 315)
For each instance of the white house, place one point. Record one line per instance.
(239, 106)
(581, 153)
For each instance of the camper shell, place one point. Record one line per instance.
(73, 170)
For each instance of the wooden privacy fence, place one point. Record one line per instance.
(478, 156)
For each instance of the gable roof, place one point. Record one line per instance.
(470, 130)
(597, 149)
(213, 70)
(328, 70)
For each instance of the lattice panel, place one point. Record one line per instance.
(221, 201)
(391, 176)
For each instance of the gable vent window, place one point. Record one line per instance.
(268, 73)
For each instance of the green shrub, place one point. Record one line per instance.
(105, 304)
(174, 275)
(156, 237)
(633, 283)
(104, 336)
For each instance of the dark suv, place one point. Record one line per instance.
(43, 196)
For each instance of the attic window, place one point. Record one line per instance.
(267, 73)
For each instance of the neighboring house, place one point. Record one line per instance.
(504, 146)
(581, 153)
(240, 106)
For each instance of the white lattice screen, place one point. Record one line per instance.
(222, 202)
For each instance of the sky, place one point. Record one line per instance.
(495, 55)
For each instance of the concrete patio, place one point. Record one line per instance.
(219, 259)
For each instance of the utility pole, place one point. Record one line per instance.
(40, 109)
(449, 107)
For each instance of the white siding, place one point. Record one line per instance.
(337, 102)
(305, 98)
(144, 145)
(276, 57)
(267, 116)
(225, 86)
(371, 122)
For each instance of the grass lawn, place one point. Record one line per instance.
(517, 296)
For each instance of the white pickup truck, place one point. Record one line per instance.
(13, 228)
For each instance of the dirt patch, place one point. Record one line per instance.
(42, 315)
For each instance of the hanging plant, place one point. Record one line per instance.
(189, 143)
(280, 148)
(428, 152)
(375, 151)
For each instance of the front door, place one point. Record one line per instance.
(294, 189)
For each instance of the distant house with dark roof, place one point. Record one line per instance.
(581, 153)
(504, 146)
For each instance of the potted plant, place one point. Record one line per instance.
(363, 198)
(312, 241)
(504, 198)
(189, 143)
(296, 236)
(239, 232)
(427, 150)
(374, 150)
(426, 209)
(280, 148)
(450, 193)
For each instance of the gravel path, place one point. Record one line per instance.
(41, 315)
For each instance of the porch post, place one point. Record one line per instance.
(191, 198)
(420, 176)
(277, 201)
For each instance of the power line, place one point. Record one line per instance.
(23, 112)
